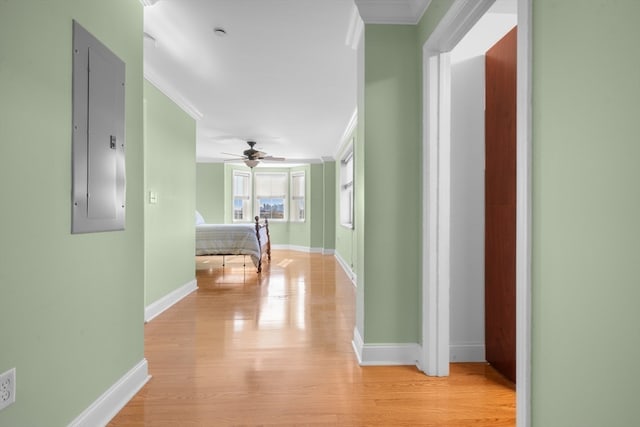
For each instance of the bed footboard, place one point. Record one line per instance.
(265, 247)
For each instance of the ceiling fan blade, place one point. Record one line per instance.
(273, 159)
(232, 154)
(235, 159)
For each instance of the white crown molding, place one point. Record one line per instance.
(392, 11)
(353, 122)
(172, 94)
(356, 29)
(347, 134)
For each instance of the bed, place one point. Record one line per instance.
(234, 239)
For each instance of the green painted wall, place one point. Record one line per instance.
(329, 204)
(72, 304)
(392, 174)
(170, 138)
(360, 187)
(315, 196)
(210, 191)
(586, 205)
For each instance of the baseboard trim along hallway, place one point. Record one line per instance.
(115, 398)
(385, 354)
(164, 303)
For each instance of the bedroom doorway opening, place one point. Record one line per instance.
(444, 301)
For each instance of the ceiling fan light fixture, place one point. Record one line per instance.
(251, 163)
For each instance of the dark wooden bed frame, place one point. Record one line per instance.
(268, 244)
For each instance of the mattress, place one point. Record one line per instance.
(229, 239)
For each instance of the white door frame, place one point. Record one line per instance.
(460, 18)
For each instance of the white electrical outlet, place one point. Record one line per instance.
(7, 388)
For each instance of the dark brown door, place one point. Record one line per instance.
(500, 206)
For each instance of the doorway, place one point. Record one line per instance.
(460, 18)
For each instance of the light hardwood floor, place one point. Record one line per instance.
(275, 350)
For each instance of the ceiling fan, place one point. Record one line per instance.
(252, 157)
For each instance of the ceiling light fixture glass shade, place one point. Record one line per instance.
(251, 163)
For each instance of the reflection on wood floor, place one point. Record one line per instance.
(275, 349)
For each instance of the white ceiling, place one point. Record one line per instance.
(284, 75)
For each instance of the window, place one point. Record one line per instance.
(241, 196)
(271, 194)
(346, 188)
(297, 197)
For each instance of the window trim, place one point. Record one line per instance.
(285, 198)
(292, 197)
(247, 174)
(347, 157)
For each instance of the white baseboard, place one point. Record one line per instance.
(299, 248)
(385, 354)
(328, 251)
(107, 406)
(357, 344)
(158, 306)
(305, 249)
(347, 268)
(467, 353)
(292, 248)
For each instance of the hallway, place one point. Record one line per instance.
(275, 349)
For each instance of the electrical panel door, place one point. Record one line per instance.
(98, 199)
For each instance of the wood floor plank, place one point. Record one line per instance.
(275, 350)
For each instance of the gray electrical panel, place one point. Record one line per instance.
(98, 189)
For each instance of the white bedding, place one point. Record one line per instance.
(230, 239)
